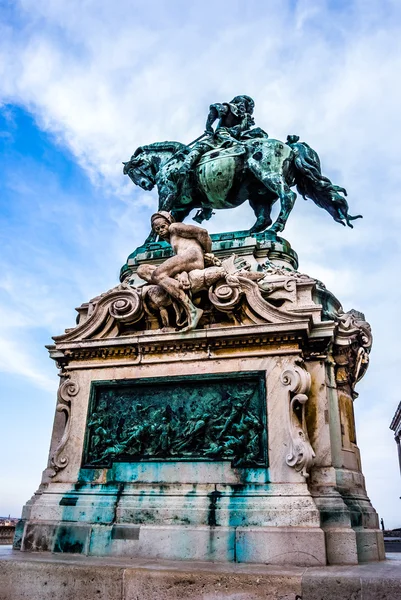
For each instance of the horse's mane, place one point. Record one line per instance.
(162, 146)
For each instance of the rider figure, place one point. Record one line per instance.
(235, 117)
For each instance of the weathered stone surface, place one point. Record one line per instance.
(341, 546)
(281, 546)
(231, 442)
(375, 581)
(51, 577)
(59, 581)
(370, 545)
(375, 588)
(341, 587)
(205, 586)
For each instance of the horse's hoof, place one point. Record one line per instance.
(259, 226)
(276, 228)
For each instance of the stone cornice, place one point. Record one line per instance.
(211, 342)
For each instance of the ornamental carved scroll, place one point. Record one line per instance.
(67, 391)
(228, 293)
(352, 345)
(301, 454)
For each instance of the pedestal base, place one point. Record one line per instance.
(233, 442)
(43, 576)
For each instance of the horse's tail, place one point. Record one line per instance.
(312, 184)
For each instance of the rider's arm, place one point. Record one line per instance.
(216, 111)
(192, 232)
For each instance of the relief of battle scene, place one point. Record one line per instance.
(221, 419)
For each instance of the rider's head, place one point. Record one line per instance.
(247, 101)
(161, 222)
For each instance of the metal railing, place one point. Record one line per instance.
(6, 534)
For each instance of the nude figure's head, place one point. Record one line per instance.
(161, 222)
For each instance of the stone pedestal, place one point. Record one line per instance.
(234, 442)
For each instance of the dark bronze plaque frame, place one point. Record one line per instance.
(224, 418)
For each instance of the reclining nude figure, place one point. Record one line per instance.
(191, 245)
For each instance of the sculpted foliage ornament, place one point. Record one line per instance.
(234, 163)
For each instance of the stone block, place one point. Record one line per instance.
(184, 585)
(30, 576)
(179, 543)
(73, 539)
(19, 534)
(281, 546)
(341, 547)
(370, 545)
(51, 581)
(39, 537)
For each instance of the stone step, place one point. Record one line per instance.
(44, 576)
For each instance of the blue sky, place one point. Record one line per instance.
(83, 83)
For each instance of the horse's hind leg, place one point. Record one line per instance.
(262, 209)
(179, 214)
(276, 184)
(277, 189)
(287, 200)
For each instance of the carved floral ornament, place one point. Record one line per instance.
(228, 293)
(67, 391)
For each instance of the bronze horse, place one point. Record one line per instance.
(259, 169)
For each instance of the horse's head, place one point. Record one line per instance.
(147, 161)
(140, 171)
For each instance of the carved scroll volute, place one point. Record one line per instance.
(301, 453)
(67, 391)
(225, 294)
(127, 309)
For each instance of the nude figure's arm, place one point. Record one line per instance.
(192, 232)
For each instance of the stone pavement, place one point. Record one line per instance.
(45, 576)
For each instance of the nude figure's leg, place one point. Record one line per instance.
(145, 272)
(164, 276)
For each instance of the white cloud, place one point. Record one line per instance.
(15, 359)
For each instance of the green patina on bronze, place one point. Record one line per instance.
(234, 163)
(178, 418)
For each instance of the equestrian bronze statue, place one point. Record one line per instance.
(234, 163)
